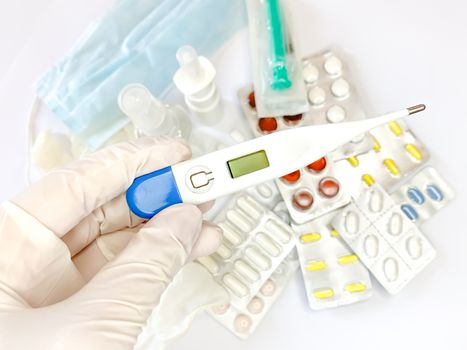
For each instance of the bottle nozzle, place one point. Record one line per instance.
(187, 57)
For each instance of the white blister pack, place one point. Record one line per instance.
(242, 321)
(386, 241)
(396, 153)
(331, 97)
(312, 191)
(332, 273)
(423, 195)
(255, 242)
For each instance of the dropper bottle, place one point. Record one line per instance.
(195, 79)
(150, 116)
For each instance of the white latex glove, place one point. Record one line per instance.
(77, 269)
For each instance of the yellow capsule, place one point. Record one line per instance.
(316, 265)
(414, 151)
(392, 166)
(334, 233)
(395, 128)
(324, 293)
(376, 145)
(368, 179)
(347, 259)
(355, 287)
(310, 237)
(353, 161)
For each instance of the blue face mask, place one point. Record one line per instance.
(135, 42)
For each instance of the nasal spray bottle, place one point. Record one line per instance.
(150, 116)
(195, 80)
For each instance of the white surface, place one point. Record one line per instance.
(402, 53)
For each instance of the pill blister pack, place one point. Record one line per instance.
(386, 241)
(396, 153)
(332, 99)
(423, 195)
(242, 321)
(255, 242)
(312, 191)
(266, 194)
(332, 273)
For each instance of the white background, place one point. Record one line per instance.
(402, 53)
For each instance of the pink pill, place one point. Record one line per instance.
(242, 323)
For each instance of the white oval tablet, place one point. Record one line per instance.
(264, 190)
(209, 263)
(375, 202)
(414, 247)
(391, 269)
(245, 270)
(257, 258)
(268, 244)
(395, 224)
(224, 252)
(230, 234)
(239, 220)
(250, 207)
(371, 246)
(335, 114)
(279, 232)
(351, 222)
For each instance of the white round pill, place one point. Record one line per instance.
(340, 88)
(310, 73)
(333, 65)
(335, 114)
(317, 96)
(242, 323)
(220, 309)
(255, 306)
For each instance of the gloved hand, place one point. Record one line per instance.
(77, 269)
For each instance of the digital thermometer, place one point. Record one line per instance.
(244, 165)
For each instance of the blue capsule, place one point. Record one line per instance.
(434, 193)
(415, 195)
(410, 212)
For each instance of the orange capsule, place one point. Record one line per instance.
(318, 165)
(251, 99)
(292, 119)
(267, 125)
(302, 200)
(292, 177)
(328, 187)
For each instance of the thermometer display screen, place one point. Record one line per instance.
(248, 164)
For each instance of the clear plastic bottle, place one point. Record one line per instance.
(150, 116)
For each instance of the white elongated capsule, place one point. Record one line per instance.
(245, 270)
(235, 285)
(281, 233)
(231, 234)
(351, 222)
(258, 258)
(391, 269)
(250, 207)
(264, 190)
(414, 247)
(209, 263)
(239, 220)
(371, 246)
(375, 202)
(395, 224)
(268, 244)
(224, 251)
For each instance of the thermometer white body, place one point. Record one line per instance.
(246, 164)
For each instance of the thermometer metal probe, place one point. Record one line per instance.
(246, 164)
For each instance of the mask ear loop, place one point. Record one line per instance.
(30, 137)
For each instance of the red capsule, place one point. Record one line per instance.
(317, 166)
(267, 125)
(292, 119)
(302, 200)
(251, 99)
(328, 187)
(292, 177)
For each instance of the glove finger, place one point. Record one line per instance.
(111, 217)
(65, 197)
(126, 289)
